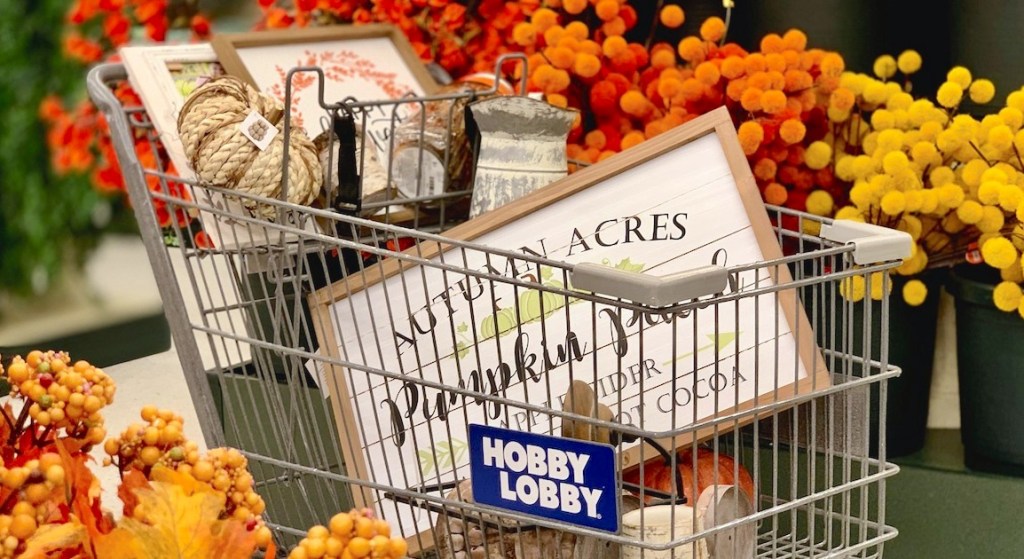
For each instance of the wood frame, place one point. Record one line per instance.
(227, 45)
(717, 122)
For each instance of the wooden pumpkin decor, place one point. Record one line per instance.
(658, 474)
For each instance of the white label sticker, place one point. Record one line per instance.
(258, 129)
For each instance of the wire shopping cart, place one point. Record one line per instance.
(266, 374)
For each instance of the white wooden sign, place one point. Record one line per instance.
(675, 203)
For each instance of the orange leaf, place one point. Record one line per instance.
(179, 526)
(53, 537)
(83, 488)
(132, 480)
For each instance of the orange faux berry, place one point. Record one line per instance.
(773, 101)
(543, 19)
(553, 34)
(751, 99)
(765, 169)
(595, 139)
(672, 16)
(607, 10)
(832, 65)
(842, 99)
(577, 29)
(750, 134)
(692, 89)
(792, 131)
(560, 57)
(524, 34)
(632, 138)
(713, 29)
(797, 80)
(635, 104)
(616, 26)
(669, 88)
(733, 67)
(794, 39)
(614, 46)
(707, 73)
(574, 7)
(755, 63)
(586, 65)
(662, 59)
(557, 99)
(775, 194)
(691, 49)
(772, 42)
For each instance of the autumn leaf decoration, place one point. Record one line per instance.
(177, 518)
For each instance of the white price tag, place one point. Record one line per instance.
(258, 129)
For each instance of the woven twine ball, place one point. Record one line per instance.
(221, 155)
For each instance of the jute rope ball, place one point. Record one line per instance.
(210, 128)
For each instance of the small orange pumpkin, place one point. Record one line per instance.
(658, 474)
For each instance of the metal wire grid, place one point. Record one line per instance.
(247, 347)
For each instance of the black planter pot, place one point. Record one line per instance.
(990, 361)
(911, 347)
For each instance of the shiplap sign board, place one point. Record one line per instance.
(675, 203)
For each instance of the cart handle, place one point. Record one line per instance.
(655, 291)
(96, 83)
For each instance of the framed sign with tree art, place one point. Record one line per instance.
(674, 204)
(363, 62)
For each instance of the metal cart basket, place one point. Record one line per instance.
(267, 376)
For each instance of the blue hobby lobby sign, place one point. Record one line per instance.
(551, 477)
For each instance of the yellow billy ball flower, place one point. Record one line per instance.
(817, 155)
(1000, 137)
(1016, 100)
(999, 253)
(949, 94)
(923, 151)
(992, 220)
(940, 176)
(1010, 197)
(862, 166)
(970, 212)
(882, 119)
(971, 172)
(900, 102)
(911, 226)
(916, 264)
(960, 76)
(1012, 273)
(860, 195)
(811, 227)
(894, 162)
(850, 213)
(929, 201)
(844, 166)
(915, 292)
(853, 288)
(949, 141)
(870, 142)
(930, 130)
(1007, 296)
(875, 92)
(889, 140)
(1013, 118)
(885, 66)
(1020, 309)
(909, 61)
(996, 174)
(951, 195)
(988, 192)
(894, 203)
(953, 224)
(982, 91)
(915, 199)
(879, 285)
(820, 202)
